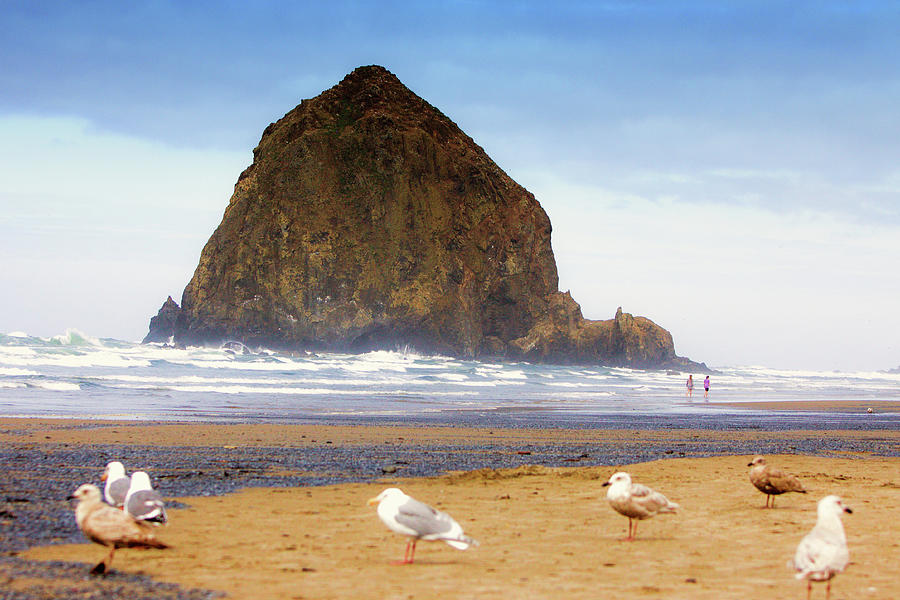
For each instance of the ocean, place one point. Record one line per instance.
(76, 375)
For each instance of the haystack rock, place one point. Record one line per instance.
(369, 220)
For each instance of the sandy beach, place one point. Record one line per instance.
(544, 532)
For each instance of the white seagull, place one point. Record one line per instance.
(407, 516)
(635, 501)
(117, 484)
(823, 553)
(108, 526)
(144, 503)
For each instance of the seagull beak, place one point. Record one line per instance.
(749, 464)
(105, 475)
(605, 484)
(373, 500)
(847, 510)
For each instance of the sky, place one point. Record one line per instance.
(727, 169)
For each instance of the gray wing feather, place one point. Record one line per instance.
(147, 505)
(423, 519)
(118, 489)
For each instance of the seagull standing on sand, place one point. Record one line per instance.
(407, 516)
(107, 526)
(823, 553)
(772, 481)
(117, 484)
(144, 503)
(635, 501)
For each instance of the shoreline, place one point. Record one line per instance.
(277, 435)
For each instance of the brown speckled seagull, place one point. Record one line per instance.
(772, 481)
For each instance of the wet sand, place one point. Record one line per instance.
(830, 406)
(80, 432)
(544, 532)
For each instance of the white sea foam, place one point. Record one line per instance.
(76, 360)
(17, 334)
(501, 373)
(570, 384)
(18, 351)
(453, 377)
(56, 386)
(297, 391)
(250, 381)
(4, 372)
(73, 337)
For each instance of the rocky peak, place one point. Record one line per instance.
(162, 326)
(367, 220)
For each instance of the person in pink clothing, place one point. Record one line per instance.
(690, 386)
(706, 387)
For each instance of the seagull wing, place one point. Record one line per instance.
(147, 505)
(650, 500)
(423, 519)
(117, 491)
(782, 481)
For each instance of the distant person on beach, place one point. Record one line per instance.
(706, 387)
(690, 387)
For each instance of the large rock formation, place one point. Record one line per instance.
(368, 220)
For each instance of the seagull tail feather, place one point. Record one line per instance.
(155, 543)
(145, 541)
(463, 542)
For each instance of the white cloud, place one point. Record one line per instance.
(96, 229)
(735, 284)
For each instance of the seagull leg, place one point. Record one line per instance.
(628, 537)
(632, 530)
(773, 501)
(405, 560)
(102, 567)
(808, 588)
(408, 555)
(828, 590)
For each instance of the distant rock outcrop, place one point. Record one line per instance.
(162, 326)
(369, 220)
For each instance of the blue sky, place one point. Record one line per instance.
(728, 169)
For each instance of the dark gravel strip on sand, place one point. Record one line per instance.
(37, 479)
